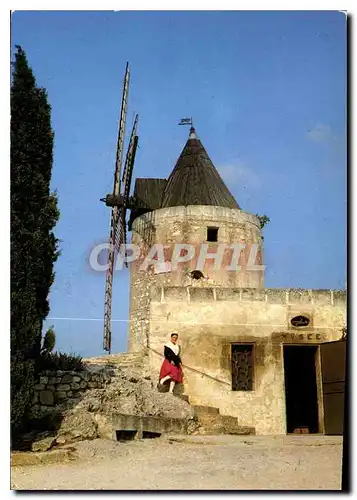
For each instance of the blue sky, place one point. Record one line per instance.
(267, 91)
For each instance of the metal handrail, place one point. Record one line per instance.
(194, 369)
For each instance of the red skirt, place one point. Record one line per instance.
(174, 371)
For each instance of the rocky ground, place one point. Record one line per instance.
(193, 463)
(78, 459)
(88, 416)
(134, 393)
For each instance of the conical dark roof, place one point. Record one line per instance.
(195, 180)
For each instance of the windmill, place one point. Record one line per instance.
(119, 201)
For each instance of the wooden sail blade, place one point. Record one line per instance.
(127, 176)
(116, 231)
(109, 284)
(122, 224)
(130, 150)
(108, 302)
(128, 181)
(127, 184)
(121, 133)
(119, 227)
(129, 170)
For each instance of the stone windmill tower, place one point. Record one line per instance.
(193, 206)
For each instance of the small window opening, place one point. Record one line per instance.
(196, 274)
(242, 367)
(300, 321)
(212, 234)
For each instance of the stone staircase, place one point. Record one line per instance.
(209, 421)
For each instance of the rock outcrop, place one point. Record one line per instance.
(87, 413)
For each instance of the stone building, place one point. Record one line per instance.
(270, 357)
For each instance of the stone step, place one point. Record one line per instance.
(232, 426)
(216, 424)
(207, 422)
(241, 431)
(211, 430)
(138, 427)
(229, 421)
(208, 419)
(205, 410)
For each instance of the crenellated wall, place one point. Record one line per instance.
(210, 319)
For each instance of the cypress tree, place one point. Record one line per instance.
(34, 248)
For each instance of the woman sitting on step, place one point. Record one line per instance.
(171, 367)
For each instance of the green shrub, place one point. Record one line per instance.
(60, 361)
(49, 340)
(23, 379)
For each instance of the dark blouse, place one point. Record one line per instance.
(171, 356)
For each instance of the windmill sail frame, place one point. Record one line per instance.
(127, 176)
(116, 215)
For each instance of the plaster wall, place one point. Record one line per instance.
(210, 319)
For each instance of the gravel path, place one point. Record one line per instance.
(194, 463)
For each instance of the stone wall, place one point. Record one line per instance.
(58, 386)
(180, 225)
(209, 320)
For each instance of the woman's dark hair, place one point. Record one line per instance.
(174, 334)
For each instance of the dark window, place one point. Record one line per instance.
(299, 321)
(212, 234)
(242, 367)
